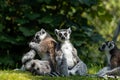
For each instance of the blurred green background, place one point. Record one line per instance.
(92, 22)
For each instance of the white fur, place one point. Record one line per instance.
(69, 62)
(29, 55)
(67, 50)
(107, 51)
(43, 36)
(108, 57)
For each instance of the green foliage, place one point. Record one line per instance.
(20, 19)
(19, 75)
(23, 75)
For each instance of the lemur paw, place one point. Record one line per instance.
(32, 44)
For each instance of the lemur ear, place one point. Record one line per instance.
(69, 30)
(56, 31)
(113, 42)
(43, 30)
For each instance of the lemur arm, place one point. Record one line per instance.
(28, 56)
(77, 59)
(40, 48)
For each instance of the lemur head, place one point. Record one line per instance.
(63, 34)
(40, 35)
(107, 46)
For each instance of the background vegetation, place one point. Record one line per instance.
(91, 21)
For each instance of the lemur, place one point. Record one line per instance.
(36, 66)
(44, 45)
(66, 55)
(113, 57)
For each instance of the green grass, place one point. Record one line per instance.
(19, 75)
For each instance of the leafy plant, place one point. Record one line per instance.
(20, 19)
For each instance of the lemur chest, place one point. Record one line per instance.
(108, 58)
(67, 51)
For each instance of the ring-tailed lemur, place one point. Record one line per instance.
(44, 45)
(38, 67)
(66, 55)
(113, 56)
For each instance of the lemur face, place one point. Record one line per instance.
(63, 34)
(40, 35)
(107, 46)
(38, 67)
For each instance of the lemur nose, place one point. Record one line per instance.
(62, 37)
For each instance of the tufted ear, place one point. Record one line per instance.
(69, 30)
(56, 31)
(43, 30)
(113, 42)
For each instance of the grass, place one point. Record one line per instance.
(19, 75)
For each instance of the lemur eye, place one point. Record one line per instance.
(37, 68)
(110, 45)
(103, 46)
(37, 37)
(65, 34)
(33, 65)
(60, 34)
(107, 42)
(43, 32)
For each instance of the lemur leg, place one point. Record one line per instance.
(63, 67)
(80, 68)
(64, 70)
(103, 71)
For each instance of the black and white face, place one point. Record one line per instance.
(34, 66)
(107, 46)
(40, 35)
(63, 34)
(38, 67)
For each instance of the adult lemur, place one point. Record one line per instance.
(66, 55)
(44, 45)
(113, 56)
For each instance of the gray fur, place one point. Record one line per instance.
(111, 49)
(39, 67)
(67, 55)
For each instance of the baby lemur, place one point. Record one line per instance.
(35, 66)
(67, 59)
(113, 56)
(44, 45)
